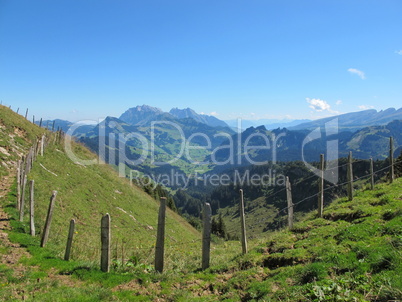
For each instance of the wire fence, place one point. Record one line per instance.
(124, 246)
(340, 185)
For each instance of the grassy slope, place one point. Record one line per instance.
(88, 192)
(16, 136)
(353, 252)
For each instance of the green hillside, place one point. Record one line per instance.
(353, 253)
(85, 193)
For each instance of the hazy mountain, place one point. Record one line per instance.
(140, 114)
(286, 124)
(268, 123)
(55, 124)
(260, 145)
(144, 115)
(201, 118)
(356, 120)
(65, 126)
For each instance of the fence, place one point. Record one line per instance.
(110, 248)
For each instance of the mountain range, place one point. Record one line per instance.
(162, 136)
(268, 123)
(141, 115)
(355, 120)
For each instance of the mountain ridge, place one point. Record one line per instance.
(353, 121)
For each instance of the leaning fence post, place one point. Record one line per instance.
(350, 177)
(206, 235)
(372, 173)
(18, 184)
(26, 114)
(160, 237)
(391, 159)
(105, 241)
(69, 240)
(22, 201)
(42, 145)
(290, 203)
(321, 187)
(46, 229)
(243, 224)
(31, 208)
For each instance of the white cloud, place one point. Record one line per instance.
(365, 107)
(338, 102)
(214, 113)
(357, 72)
(318, 105)
(399, 52)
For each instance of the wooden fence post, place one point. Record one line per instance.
(243, 224)
(206, 235)
(18, 184)
(160, 237)
(22, 201)
(40, 123)
(372, 173)
(105, 241)
(37, 148)
(69, 240)
(122, 253)
(391, 159)
(32, 208)
(31, 162)
(290, 203)
(53, 125)
(42, 145)
(321, 187)
(26, 114)
(46, 229)
(350, 177)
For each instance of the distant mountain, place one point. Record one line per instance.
(355, 120)
(144, 115)
(268, 123)
(55, 124)
(286, 124)
(140, 114)
(156, 148)
(201, 118)
(284, 145)
(64, 125)
(374, 141)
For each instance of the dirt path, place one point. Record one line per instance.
(11, 254)
(16, 251)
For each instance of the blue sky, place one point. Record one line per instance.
(253, 59)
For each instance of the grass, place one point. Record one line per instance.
(353, 253)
